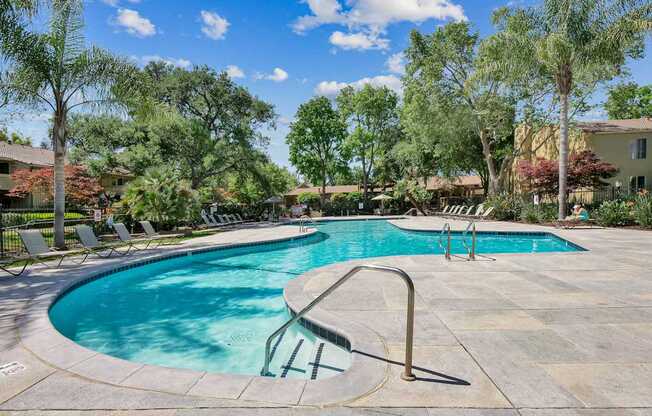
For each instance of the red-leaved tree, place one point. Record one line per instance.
(585, 170)
(81, 188)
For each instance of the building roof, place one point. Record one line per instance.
(617, 126)
(27, 154)
(438, 182)
(336, 189)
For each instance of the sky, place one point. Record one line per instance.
(283, 51)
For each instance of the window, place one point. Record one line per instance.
(4, 168)
(636, 183)
(638, 149)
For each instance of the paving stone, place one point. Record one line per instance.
(606, 385)
(274, 390)
(446, 377)
(607, 343)
(489, 320)
(228, 386)
(170, 380)
(105, 368)
(27, 371)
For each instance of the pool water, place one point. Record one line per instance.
(213, 311)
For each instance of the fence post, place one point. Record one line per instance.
(2, 232)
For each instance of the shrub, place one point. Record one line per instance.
(309, 198)
(642, 209)
(506, 207)
(541, 213)
(161, 197)
(613, 213)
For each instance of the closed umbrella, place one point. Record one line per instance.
(273, 200)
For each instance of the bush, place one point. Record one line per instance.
(309, 198)
(506, 207)
(642, 209)
(613, 213)
(161, 197)
(535, 214)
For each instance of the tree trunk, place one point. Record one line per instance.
(59, 144)
(364, 178)
(494, 180)
(416, 205)
(563, 155)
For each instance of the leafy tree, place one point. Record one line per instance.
(373, 115)
(442, 79)
(576, 40)
(416, 193)
(269, 180)
(316, 142)
(585, 170)
(14, 138)
(56, 70)
(309, 198)
(627, 101)
(162, 197)
(83, 189)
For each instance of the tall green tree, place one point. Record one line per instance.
(629, 100)
(576, 39)
(316, 141)
(442, 79)
(56, 70)
(372, 113)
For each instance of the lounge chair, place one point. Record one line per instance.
(485, 214)
(92, 245)
(38, 250)
(575, 223)
(125, 237)
(233, 219)
(150, 232)
(478, 211)
(14, 272)
(209, 221)
(443, 211)
(239, 218)
(225, 220)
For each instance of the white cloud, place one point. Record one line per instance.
(112, 3)
(134, 23)
(215, 26)
(358, 41)
(332, 88)
(371, 17)
(234, 71)
(178, 62)
(278, 75)
(396, 63)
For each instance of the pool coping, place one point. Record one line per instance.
(39, 336)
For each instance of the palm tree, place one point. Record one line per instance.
(56, 70)
(590, 39)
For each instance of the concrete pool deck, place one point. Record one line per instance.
(543, 334)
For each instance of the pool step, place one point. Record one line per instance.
(312, 358)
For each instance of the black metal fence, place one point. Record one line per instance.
(12, 220)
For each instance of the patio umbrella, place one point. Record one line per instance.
(273, 200)
(382, 198)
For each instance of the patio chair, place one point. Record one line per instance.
(38, 250)
(239, 218)
(234, 219)
(150, 232)
(224, 220)
(462, 212)
(92, 245)
(13, 272)
(485, 214)
(125, 237)
(209, 221)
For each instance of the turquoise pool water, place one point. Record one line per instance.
(213, 311)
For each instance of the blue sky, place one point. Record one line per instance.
(284, 51)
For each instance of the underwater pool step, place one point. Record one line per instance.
(305, 356)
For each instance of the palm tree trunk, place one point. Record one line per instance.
(59, 144)
(563, 155)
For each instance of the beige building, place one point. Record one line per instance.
(14, 157)
(623, 143)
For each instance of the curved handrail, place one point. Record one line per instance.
(302, 222)
(469, 250)
(407, 373)
(447, 248)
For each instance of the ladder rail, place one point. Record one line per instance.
(447, 249)
(407, 372)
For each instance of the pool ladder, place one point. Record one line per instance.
(407, 372)
(302, 223)
(470, 250)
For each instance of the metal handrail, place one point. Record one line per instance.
(302, 221)
(470, 250)
(447, 248)
(407, 372)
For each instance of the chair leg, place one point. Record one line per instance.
(14, 273)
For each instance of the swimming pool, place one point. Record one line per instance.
(213, 311)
